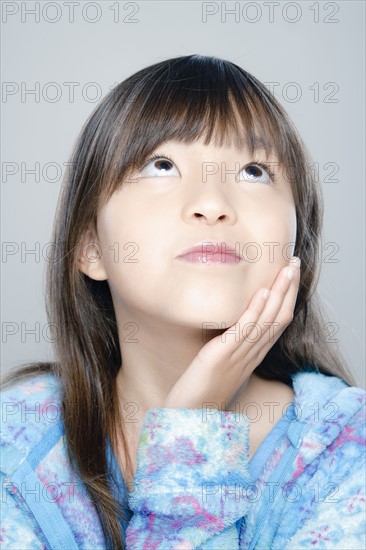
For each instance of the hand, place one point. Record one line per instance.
(228, 360)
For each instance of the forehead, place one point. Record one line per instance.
(228, 148)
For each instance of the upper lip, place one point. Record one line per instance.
(205, 247)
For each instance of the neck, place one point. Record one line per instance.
(156, 355)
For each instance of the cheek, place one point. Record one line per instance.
(115, 240)
(289, 231)
(132, 257)
(272, 230)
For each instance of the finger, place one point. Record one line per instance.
(250, 317)
(261, 331)
(286, 313)
(225, 345)
(276, 317)
(252, 321)
(259, 302)
(278, 292)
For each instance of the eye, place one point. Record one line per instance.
(258, 172)
(162, 165)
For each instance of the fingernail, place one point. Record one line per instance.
(290, 272)
(295, 261)
(265, 293)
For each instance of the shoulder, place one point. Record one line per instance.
(44, 498)
(329, 468)
(315, 391)
(333, 415)
(30, 409)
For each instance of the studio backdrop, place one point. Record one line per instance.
(59, 59)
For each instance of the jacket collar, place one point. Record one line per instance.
(323, 405)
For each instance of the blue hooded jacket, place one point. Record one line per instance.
(194, 487)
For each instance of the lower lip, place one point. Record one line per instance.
(209, 259)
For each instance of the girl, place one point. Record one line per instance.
(194, 401)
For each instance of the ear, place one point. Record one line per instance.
(90, 257)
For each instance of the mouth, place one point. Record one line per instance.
(209, 253)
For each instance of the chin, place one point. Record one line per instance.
(208, 319)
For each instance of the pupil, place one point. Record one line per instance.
(253, 171)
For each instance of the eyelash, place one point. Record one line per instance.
(267, 167)
(260, 163)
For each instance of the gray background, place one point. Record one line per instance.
(321, 50)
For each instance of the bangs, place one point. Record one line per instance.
(192, 98)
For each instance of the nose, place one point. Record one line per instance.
(209, 205)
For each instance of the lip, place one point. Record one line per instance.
(209, 252)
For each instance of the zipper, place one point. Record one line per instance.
(286, 468)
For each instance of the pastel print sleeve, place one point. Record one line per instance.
(187, 489)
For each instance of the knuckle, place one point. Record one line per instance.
(287, 319)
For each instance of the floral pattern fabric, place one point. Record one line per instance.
(192, 488)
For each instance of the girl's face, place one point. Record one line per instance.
(203, 194)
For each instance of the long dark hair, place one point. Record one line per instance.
(185, 98)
